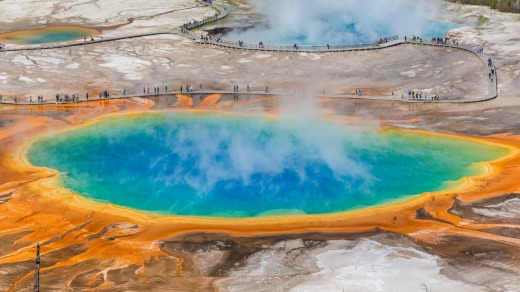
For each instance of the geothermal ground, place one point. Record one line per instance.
(468, 242)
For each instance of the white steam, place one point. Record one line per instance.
(325, 21)
(237, 153)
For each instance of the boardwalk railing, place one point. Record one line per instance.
(196, 24)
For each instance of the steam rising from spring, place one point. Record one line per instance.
(208, 164)
(236, 153)
(340, 21)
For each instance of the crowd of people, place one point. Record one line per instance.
(412, 95)
(434, 40)
(209, 38)
(382, 41)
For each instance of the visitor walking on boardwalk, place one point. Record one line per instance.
(266, 89)
(86, 95)
(124, 91)
(181, 88)
(166, 88)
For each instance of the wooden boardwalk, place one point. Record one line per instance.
(186, 31)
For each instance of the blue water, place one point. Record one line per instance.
(49, 35)
(348, 33)
(336, 31)
(53, 37)
(225, 166)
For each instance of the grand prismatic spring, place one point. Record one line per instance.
(323, 152)
(209, 165)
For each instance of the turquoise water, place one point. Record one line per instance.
(49, 35)
(227, 166)
(52, 37)
(347, 33)
(334, 30)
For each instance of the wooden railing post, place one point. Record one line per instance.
(37, 270)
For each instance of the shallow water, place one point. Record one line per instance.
(228, 166)
(338, 32)
(51, 34)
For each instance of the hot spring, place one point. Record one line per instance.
(338, 33)
(49, 34)
(217, 165)
(337, 22)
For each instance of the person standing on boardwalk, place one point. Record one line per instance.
(166, 88)
(181, 88)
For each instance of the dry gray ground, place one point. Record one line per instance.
(174, 61)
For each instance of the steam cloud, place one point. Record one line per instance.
(339, 21)
(237, 153)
